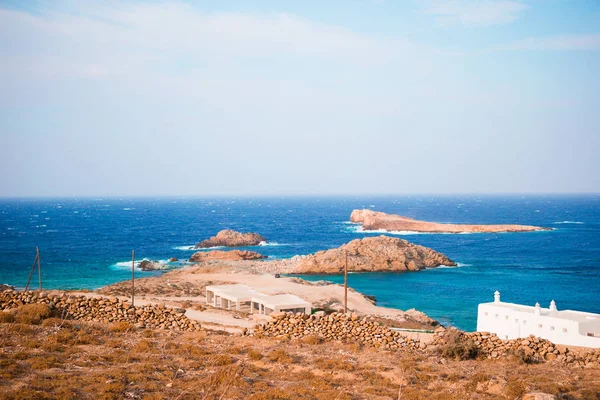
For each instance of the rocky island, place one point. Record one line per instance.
(372, 254)
(231, 238)
(373, 220)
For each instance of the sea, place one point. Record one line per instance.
(87, 243)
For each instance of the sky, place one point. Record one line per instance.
(311, 97)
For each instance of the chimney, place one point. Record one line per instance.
(496, 297)
(553, 306)
(538, 310)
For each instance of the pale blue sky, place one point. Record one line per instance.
(299, 97)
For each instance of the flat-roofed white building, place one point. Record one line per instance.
(512, 321)
(226, 296)
(266, 304)
(235, 296)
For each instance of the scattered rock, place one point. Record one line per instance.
(151, 266)
(173, 259)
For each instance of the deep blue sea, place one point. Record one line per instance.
(87, 243)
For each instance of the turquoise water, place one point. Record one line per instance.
(87, 243)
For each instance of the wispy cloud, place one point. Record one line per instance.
(475, 12)
(586, 42)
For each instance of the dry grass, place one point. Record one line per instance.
(33, 313)
(121, 326)
(6, 317)
(58, 360)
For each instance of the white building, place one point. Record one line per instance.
(511, 321)
(238, 296)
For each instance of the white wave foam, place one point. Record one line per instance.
(271, 244)
(128, 209)
(359, 229)
(569, 222)
(191, 248)
(458, 264)
(185, 248)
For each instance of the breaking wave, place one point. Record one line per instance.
(569, 222)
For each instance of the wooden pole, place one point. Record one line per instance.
(132, 277)
(37, 251)
(346, 284)
(32, 269)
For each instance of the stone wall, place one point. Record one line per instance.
(350, 328)
(102, 309)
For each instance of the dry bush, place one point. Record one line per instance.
(515, 389)
(121, 326)
(33, 313)
(457, 346)
(55, 322)
(527, 358)
(254, 355)
(222, 359)
(334, 364)
(6, 317)
(281, 356)
(312, 340)
(144, 346)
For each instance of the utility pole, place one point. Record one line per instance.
(132, 277)
(37, 251)
(346, 283)
(35, 260)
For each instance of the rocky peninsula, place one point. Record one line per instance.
(231, 238)
(373, 220)
(372, 254)
(233, 255)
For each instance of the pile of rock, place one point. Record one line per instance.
(333, 327)
(350, 328)
(533, 348)
(102, 309)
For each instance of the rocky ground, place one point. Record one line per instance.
(60, 359)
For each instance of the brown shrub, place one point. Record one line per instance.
(121, 326)
(53, 322)
(222, 359)
(312, 340)
(33, 313)
(334, 364)
(254, 355)
(6, 317)
(281, 356)
(458, 346)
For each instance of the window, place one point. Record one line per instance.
(524, 322)
(540, 326)
(506, 317)
(564, 330)
(496, 315)
(486, 314)
(551, 328)
(590, 334)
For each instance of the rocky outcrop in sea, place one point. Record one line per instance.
(231, 238)
(372, 254)
(373, 220)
